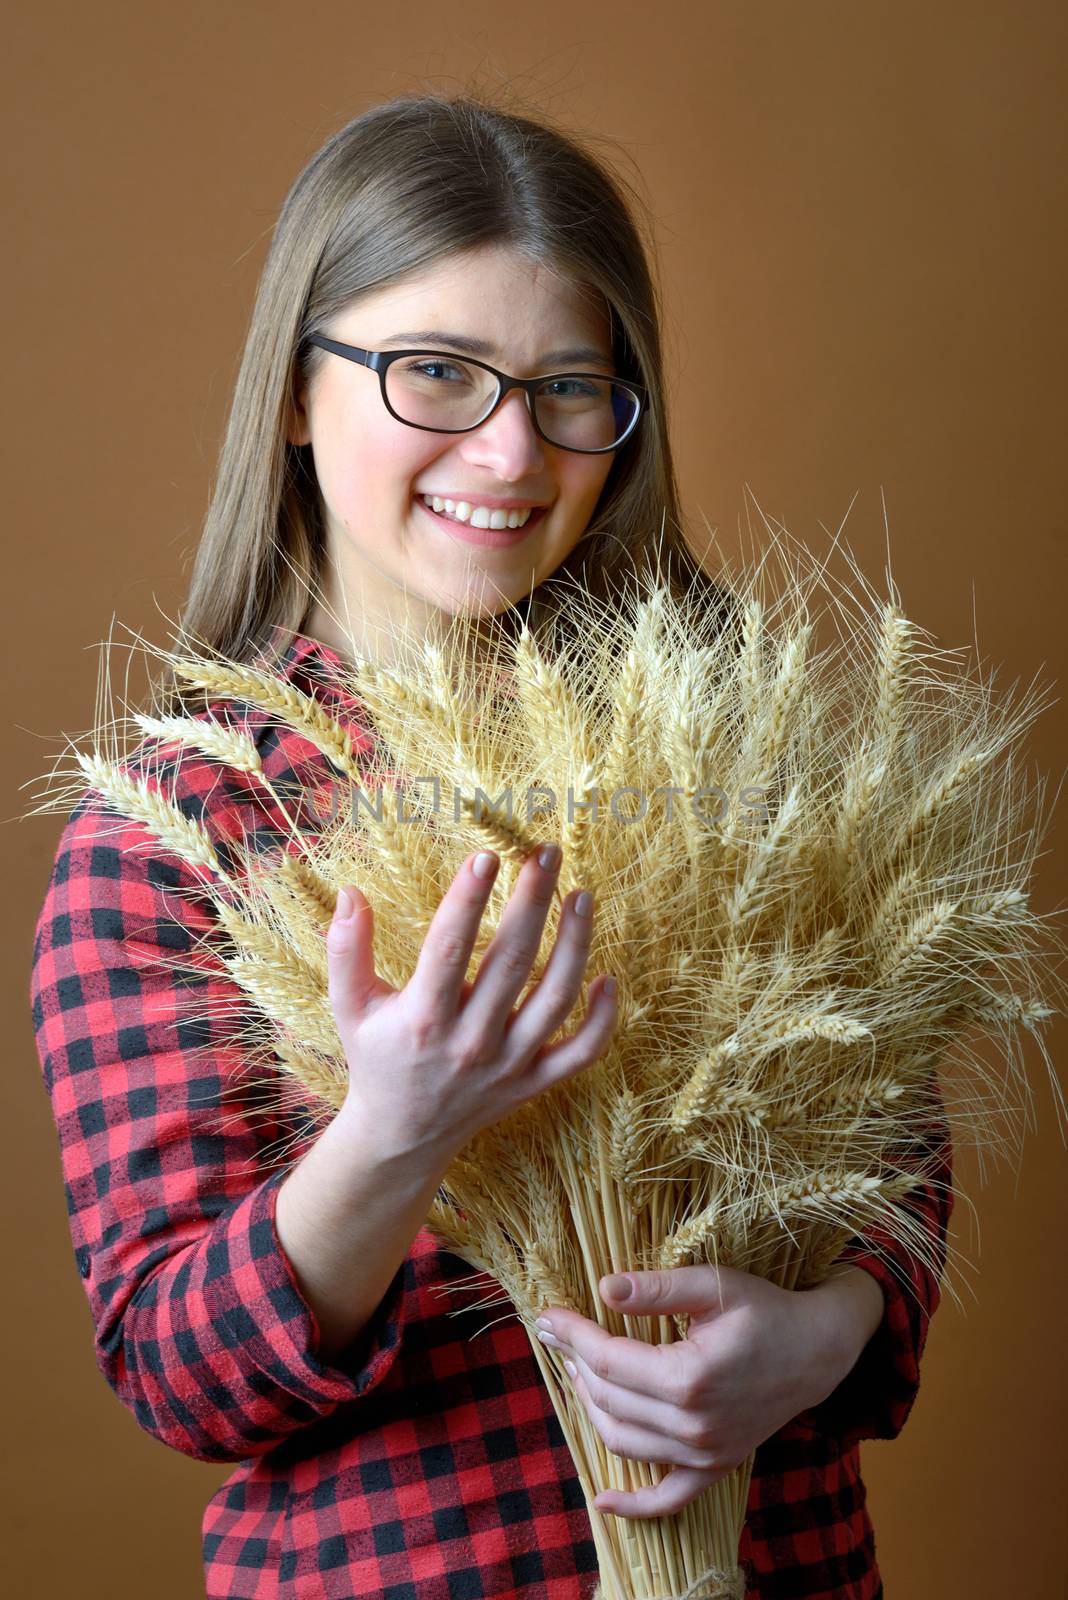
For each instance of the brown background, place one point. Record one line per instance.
(861, 217)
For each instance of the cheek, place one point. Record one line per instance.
(374, 464)
(579, 490)
(587, 479)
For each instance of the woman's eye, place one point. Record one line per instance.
(568, 388)
(431, 369)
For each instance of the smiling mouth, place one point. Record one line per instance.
(470, 514)
(468, 529)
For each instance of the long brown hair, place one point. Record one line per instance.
(411, 181)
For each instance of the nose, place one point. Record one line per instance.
(507, 441)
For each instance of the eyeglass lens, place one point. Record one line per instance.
(578, 411)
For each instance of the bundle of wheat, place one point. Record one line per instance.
(811, 870)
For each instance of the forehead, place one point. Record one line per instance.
(492, 293)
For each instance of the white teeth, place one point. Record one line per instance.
(479, 516)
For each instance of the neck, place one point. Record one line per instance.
(379, 642)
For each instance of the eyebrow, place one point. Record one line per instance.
(435, 337)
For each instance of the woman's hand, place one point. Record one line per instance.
(433, 1064)
(750, 1362)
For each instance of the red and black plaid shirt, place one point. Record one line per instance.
(426, 1463)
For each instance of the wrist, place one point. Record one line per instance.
(848, 1308)
(867, 1296)
(398, 1159)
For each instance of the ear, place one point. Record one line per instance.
(298, 430)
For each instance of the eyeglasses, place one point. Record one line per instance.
(444, 393)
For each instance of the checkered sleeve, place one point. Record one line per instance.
(874, 1399)
(200, 1326)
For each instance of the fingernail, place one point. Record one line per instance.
(548, 856)
(344, 904)
(485, 862)
(609, 986)
(571, 1367)
(619, 1287)
(543, 1322)
(584, 903)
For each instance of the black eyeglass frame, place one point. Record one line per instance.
(380, 360)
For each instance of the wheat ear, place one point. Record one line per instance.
(283, 700)
(232, 746)
(162, 817)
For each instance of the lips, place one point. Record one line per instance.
(493, 538)
(488, 505)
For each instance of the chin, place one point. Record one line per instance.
(487, 602)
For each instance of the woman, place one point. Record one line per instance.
(291, 1318)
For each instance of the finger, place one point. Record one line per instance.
(552, 999)
(553, 1063)
(656, 1371)
(637, 1442)
(350, 960)
(677, 1489)
(656, 1418)
(441, 970)
(506, 964)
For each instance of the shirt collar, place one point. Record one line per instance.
(306, 661)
